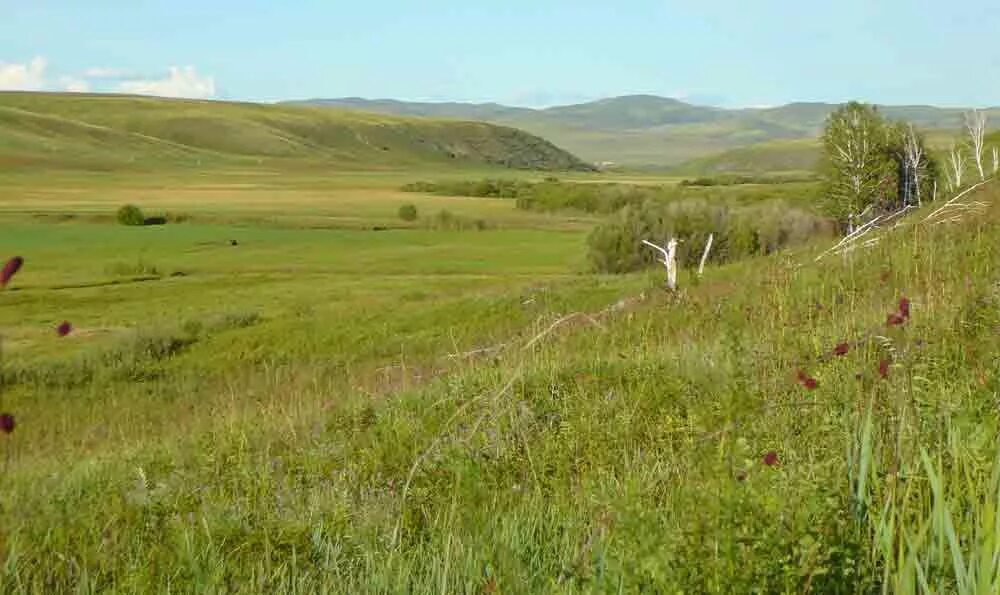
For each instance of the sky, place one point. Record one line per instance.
(729, 53)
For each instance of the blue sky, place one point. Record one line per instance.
(725, 52)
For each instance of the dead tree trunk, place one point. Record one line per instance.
(669, 260)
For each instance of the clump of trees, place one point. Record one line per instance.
(872, 164)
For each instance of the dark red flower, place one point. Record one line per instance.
(6, 423)
(841, 349)
(895, 319)
(904, 307)
(883, 368)
(771, 459)
(807, 380)
(64, 329)
(10, 269)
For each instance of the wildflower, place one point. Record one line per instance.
(10, 269)
(895, 319)
(64, 329)
(6, 423)
(883, 368)
(841, 349)
(771, 459)
(806, 380)
(904, 307)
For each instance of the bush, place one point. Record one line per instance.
(446, 220)
(408, 212)
(739, 232)
(131, 215)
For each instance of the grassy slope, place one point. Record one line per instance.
(621, 453)
(106, 131)
(649, 131)
(799, 155)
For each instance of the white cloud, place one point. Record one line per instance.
(74, 85)
(23, 77)
(105, 73)
(184, 81)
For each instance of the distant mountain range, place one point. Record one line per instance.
(647, 130)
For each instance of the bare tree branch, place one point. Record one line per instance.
(975, 122)
(957, 161)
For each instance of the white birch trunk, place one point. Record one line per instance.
(704, 255)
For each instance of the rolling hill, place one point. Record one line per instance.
(790, 155)
(646, 130)
(101, 131)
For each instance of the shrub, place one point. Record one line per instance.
(615, 246)
(140, 268)
(131, 215)
(408, 212)
(446, 220)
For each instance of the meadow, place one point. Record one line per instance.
(288, 389)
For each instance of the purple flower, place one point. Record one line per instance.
(64, 329)
(6, 423)
(10, 269)
(883, 368)
(771, 459)
(807, 381)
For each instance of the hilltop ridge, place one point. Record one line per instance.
(80, 130)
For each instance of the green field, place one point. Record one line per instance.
(286, 388)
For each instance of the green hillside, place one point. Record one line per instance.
(797, 155)
(112, 131)
(651, 131)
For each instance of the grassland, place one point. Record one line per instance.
(327, 407)
(115, 133)
(643, 131)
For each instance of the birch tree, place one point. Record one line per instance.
(854, 147)
(975, 122)
(913, 156)
(956, 161)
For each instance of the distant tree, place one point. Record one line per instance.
(408, 212)
(956, 161)
(975, 122)
(871, 164)
(857, 168)
(131, 215)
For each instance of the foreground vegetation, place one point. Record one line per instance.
(306, 382)
(416, 418)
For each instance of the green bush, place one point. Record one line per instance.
(446, 220)
(408, 212)
(131, 215)
(738, 232)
